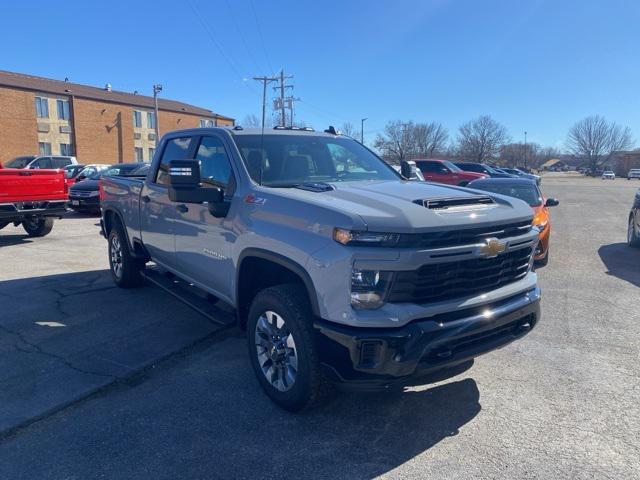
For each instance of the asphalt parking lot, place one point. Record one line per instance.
(153, 390)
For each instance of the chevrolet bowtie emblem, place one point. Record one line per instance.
(493, 247)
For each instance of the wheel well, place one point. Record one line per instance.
(256, 274)
(138, 250)
(108, 221)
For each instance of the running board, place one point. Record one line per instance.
(193, 297)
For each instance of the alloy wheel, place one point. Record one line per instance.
(276, 351)
(116, 256)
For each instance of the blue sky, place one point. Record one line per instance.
(537, 66)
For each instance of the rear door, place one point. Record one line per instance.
(157, 212)
(40, 163)
(202, 241)
(436, 172)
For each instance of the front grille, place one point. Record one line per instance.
(449, 280)
(81, 193)
(460, 237)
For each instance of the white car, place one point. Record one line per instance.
(41, 161)
(608, 175)
(633, 173)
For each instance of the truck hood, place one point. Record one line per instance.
(399, 206)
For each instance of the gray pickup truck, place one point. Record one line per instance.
(340, 270)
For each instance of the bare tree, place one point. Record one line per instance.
(481, 139)
(349, 130)
(595, 139)
(397, 143)
(251, 121)
(526, 155)
(429, 138)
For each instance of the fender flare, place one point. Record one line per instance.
(286, 263)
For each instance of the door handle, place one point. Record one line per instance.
(182, 208)
(146, 198)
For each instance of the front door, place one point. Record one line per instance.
(157, 212)
(203, 242)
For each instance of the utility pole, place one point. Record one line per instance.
(362, 120)
(281, 104)
(526, 152)
(157, 88)
(265, 81)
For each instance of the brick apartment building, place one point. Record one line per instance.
(97, 125)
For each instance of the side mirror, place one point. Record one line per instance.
(185, 185)
(551, 202)
(406, 169)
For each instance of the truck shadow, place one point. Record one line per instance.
(13, 239)
(621, 261)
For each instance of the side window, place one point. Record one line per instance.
(431, 167)
(175, 149)
(44, 162)
(59, 162)
(215, 167)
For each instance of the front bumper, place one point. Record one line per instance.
(84, 203)
(374, 358)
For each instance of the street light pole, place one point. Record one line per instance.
(157, 88)
(525, 150)
(362, 130)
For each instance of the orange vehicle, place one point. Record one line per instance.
(526, 190)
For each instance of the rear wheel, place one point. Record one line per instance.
(126, 270)
(282, 348)
(37, 226)
(633, 239)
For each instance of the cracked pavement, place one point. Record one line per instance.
(561, 403)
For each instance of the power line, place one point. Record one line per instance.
(217, 44)
(264, 48)
(242, 38)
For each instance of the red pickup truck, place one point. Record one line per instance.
(443, 171)
(33, 198)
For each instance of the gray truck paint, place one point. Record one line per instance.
(297, 225)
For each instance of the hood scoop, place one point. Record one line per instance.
(316, 187)
(457, 203)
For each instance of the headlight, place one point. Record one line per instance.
(362, 239)
(541, 226)
(369, 288)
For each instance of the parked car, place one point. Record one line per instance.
(481, 168)
(41, 161)
(340, 271)
(84, 196)
(444, 171)
(608, 175)
(633, 173)
(71, 172)
(33, 199)
(90, 170)
(519, 173)
(633, 230)
(528, 191)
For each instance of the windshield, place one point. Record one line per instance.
(19, 162)
(526, 192)
(288, 160)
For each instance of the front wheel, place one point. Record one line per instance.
(37, 226)
(633, 239)
(282, 349)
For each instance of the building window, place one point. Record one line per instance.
(45, 148)
(203, 123)
(206, 123)
(151, 120)
(65, 149)
(137, 118)
(151, 152)
(139, 154)
(63, 109)
(42, 107)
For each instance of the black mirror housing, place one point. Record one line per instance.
(405, 169)
(551, 202)
(185, 185)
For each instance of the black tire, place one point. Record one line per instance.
(38, 226)
(309, 387)
(126, 270)
(633, 239)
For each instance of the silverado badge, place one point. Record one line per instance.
(493, 247)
